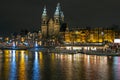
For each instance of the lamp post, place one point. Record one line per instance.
(102, 33)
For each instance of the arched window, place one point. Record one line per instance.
(56, 20)
(43, 22)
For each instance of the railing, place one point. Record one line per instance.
(85, 44)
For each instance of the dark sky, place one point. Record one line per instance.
(26, 14)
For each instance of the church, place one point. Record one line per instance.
(50, 27)
(56, 30)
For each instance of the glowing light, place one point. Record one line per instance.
(88, 59)
(116, 40)
(94, 48)
(36, 44)
(7, 53)
(13, 55)
(41, 55)
(14, 44)
(77, 48)
(22, 55)
(22, 39)
(13, 66)
(36, 68)
(22, 67)
(36, 55)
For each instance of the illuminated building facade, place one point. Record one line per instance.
(51, 30)
(51, 27)
(96, 35)
(54, 31)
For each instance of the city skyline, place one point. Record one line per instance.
(17, 15)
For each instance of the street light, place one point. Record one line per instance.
(102, 33)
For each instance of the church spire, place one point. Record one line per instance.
(61, 12)
(62, 16)
(57, 11)
(44, 14)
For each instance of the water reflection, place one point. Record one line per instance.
(22, 67)
(25, 65)
(13, 67)
(116, 68)
(6, 65)
(36, 68)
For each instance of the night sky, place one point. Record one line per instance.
(26, 14)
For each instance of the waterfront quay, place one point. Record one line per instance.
(83, 48)
(48, 46)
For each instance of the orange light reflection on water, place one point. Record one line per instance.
(22, 66)
(6, 65)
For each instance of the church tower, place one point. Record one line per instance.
(57, 20)
(61, 17)
(44, 23)
(50, 27)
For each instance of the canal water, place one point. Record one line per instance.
(26, 65)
